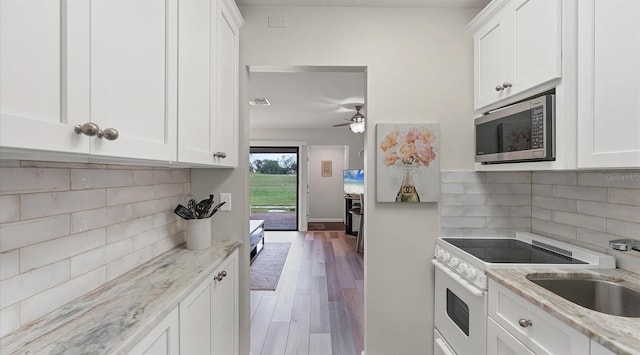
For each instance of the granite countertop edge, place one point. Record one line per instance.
(114, 317)
(618, 334)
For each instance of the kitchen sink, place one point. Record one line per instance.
(603, 296)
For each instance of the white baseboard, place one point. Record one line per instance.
(319, 220)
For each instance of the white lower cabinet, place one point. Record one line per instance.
(161, 340)
(195, 321)
(500, 341)
(536, 330)
(205, 322)
(225, 311)
(515, 327)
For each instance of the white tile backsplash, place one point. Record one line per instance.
(585, 208)
(20, 234)
(67, 228)
(9, 208)
(55, 203)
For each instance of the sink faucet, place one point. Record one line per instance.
(625, 244)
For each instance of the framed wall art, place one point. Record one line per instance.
(326, 168)
(408, 162)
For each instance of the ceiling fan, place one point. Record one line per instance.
(356, 121)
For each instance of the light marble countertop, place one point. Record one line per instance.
(116, 316)
(618, 334)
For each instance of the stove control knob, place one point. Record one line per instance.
(463, 267)
(454, 262)
(445, 256)
(471, 273)
(439, 253)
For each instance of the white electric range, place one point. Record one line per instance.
(461, 282)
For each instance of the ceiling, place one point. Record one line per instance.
(368, 3)
(303, 99)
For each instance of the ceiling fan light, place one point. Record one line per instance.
(357, 127)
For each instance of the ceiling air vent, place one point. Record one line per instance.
(259, 102)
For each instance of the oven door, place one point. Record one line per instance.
(460, 312)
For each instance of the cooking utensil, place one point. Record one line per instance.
(215, 209)
(183, 212)
(203, 206)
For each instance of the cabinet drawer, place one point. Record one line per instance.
(539, 331)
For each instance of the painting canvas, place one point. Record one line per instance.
(408, 162)
(326, 168)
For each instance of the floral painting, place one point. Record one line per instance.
(408, 162)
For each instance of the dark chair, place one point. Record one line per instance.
(360, 212)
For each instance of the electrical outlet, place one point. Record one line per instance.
(225, 197)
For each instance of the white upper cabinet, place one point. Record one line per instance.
(517, 49)
(107, 64)
(609, 84)
(208, 82)
(33, 78)
(226, 139)
(133, 77)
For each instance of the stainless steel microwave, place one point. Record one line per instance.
(522, 132)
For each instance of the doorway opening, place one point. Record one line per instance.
(273, 187)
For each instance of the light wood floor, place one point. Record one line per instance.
(318, 306)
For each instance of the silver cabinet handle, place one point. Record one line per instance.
(220, 155)
(524, 323)
(221, 275)
(91, 129)
(499, 88)
(506, 85)
(110, 134)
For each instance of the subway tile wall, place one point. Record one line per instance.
(589, 209)
(67, 228)
(584, 208)
(479, 204)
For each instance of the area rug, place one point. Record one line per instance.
(267, 266)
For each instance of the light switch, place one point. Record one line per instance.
(225, 197)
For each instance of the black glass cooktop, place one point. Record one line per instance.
(509, 251)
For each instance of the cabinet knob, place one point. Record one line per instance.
(91, 129)
(221, 275)
(506, 85)
(88, 129)
(110, 134)
(524, 323)
(220, 155)
(499, 88)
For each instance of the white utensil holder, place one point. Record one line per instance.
(198, 233)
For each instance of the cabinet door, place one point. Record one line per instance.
(33, 82)
(535, 44)
(227, 48)
(133, 77)
(500, 342)
(161, 340)
(225, 318)
(196, 81)
(490, 62)
(609, 84)
(195, 321)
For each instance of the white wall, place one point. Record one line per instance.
(326, 199)
(419, 69)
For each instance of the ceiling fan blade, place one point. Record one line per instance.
(342, 124)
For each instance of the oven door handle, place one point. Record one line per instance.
(464, 283)
(445, 349)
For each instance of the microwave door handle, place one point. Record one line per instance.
(500, 129)
(464, 283)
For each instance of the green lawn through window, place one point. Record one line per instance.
(269, 191)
